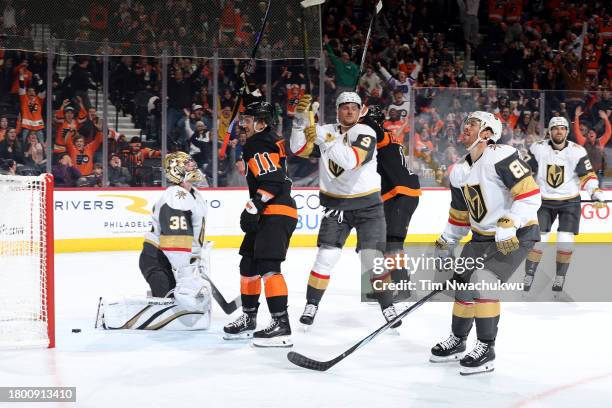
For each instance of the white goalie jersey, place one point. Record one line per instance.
(347, 165)
(561, 173)
(179, 221)
(498, 184)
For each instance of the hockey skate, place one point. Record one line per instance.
(390, 314)
(241, 328)
(307, 318)
(558, 283)
(479, 360)
(528, 282)
(277, 334)
(451, 349)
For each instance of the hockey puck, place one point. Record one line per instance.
(76, 330)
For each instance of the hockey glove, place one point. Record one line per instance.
(445, 251)
(249, 219)
(505, 236)
(301, 118)
(600, 199)
(311, 134)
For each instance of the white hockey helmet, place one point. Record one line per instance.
(487, 121)
(348, 97)
(557, 121)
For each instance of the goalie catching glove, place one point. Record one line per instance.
(505, 236)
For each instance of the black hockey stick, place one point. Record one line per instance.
(251, 64)
(595, 201)
(367, 41)
(228, 308)
(306, 362)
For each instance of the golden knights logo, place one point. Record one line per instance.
(475, 201)
(334, 168)
(555, 175)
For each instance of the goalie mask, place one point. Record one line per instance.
(180, 167)
(487, 121)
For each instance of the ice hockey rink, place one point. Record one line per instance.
(548, 354)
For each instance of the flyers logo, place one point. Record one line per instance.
(555, 175)
(475, 201)
(334, 168)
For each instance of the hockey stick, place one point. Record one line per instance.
(228, 308)
(306, 362)
(311, 364)
(379, 6)
(304, 4)
(249, 70)
(595, 201)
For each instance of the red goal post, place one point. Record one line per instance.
(27, 304)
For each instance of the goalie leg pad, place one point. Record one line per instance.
(153, 313)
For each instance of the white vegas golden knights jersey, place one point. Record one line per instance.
(560, 173)
(179, 219)
(497, 184)
(347, 165)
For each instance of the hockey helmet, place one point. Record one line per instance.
(348, 97)
(175, 167)
(376, 114)
(260, 110)
(487, 121)
(557, 121)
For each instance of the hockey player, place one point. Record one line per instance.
(349, 192)
(172, 259)
(562, 168)
(268, 221)
(494, 193)
(400, 190)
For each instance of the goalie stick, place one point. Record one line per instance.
(227, 307)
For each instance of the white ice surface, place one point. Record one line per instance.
(548, 354)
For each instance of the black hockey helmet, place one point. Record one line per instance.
(260, 110)
(376, 114)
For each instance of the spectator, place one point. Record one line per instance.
(595, 148)
(31, 109)
(403, 82)
(347, 72)
(64, 173)
(90, 125)
(82, 153)
(401, 105)
(34, 153)
(80, 81)
(118, 176)
(3, 127)
(10, 147)
(200, 144)
(67, 125)
(370, 82)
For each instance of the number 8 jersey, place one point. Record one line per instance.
(499, 183)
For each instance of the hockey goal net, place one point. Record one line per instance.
(26, 262)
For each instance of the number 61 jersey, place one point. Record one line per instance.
(499, 183)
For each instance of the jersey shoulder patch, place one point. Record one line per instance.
(176, 197)
(495, 153)
(362, 129)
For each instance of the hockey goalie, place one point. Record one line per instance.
(174, 260)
